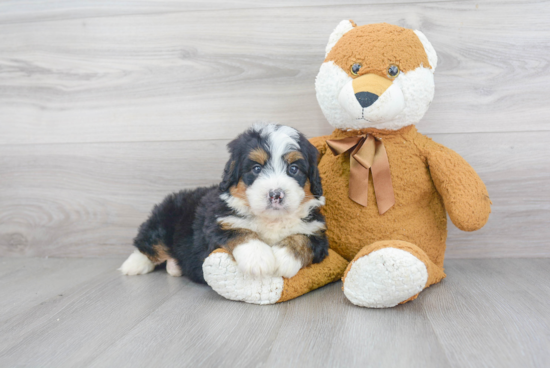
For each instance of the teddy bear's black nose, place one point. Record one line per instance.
(366, 98)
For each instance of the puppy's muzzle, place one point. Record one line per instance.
(276, 196)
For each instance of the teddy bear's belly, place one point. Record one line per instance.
(418, 215)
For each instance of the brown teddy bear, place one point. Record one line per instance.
(388, 188)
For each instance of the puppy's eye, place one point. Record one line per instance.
(393, 71)
(293, 169)
(256, 169)
(355, 68)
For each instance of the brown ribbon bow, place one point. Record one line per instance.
(368, 153)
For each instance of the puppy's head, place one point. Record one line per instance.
(272, 172)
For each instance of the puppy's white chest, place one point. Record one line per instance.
(272, 232)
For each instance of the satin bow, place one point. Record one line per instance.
(368, 154)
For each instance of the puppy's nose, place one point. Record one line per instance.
(276, 195)
(366, 98)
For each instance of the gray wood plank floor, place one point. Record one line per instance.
(81, 312)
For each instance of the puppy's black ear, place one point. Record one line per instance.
(230, 175)
(313, 171)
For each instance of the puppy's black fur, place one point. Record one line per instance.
(185, 223)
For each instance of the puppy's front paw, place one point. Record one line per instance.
(287, 264)
(255, 258)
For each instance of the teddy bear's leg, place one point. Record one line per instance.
(387, 273)
(222, 274)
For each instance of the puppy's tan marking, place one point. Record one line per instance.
(299, 245)
(226, 226)
(239, 191)
(258, 155)
(293, 156)
(242, 236)
(161, 254)
(307, 191)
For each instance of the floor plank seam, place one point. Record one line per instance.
(122, 334)
(427, 314)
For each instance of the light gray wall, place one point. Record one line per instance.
(105, 107)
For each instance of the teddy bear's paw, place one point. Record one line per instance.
(226, 278)
(385, 278)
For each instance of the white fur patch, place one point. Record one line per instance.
(237, 204)
(137, 264)
(329, 82)
(430, 51)
(410, 95)
(255, 258)
(226, 279)
(342, 28)
(385, 278)
(385, 108)
(287, 264)
(257, 193)
(172, 268)
(273, 230)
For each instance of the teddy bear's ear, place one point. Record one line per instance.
(430, 51)
(342, 27)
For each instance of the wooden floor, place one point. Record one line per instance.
(82, 313)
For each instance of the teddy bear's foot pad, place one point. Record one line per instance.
(385, 278)
(222, 274)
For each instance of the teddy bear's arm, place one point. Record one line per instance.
(320, 144)
(464, 194)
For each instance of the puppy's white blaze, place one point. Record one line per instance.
(281, 140)
(137, 264)
(287, 264)
(255, 258)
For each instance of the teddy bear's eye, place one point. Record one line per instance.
(393, 71)
(355, 68)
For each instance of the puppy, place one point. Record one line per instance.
(265, 212)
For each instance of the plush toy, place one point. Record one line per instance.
(388, 188)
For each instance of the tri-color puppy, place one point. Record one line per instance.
(265, 212)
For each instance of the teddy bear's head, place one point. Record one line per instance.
(376, 76)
